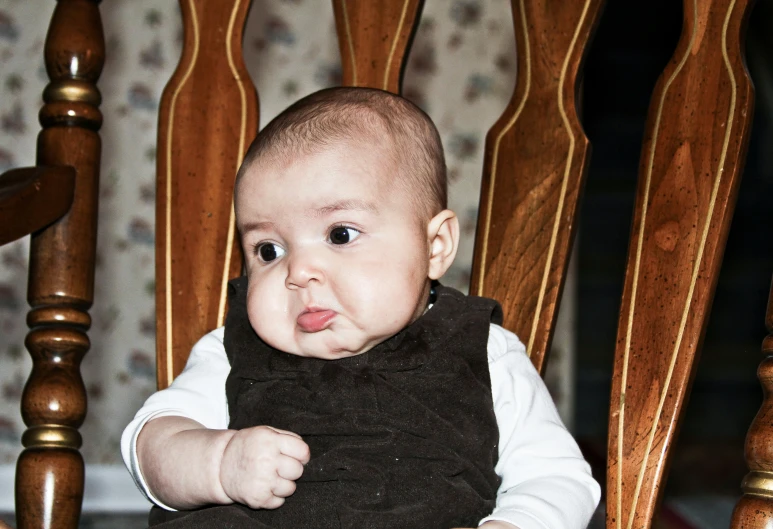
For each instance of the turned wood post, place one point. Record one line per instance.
(755, 508)
(50, 470)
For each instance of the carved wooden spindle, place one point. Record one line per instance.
(207, 119)
(535, 163)
(50, 470)
(374, 37)
(755, 508)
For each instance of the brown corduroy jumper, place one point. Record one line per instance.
(402, 436)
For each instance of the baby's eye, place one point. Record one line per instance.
(343, 235)
(269, 251)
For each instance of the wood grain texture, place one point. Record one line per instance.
(374, 36)
(208, 117)
(755, 508)
(31, 198)
(50, 471)
(692, 159)
(535, 162)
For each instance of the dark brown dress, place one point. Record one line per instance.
(403, 436)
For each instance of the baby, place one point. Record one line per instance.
(348, 388)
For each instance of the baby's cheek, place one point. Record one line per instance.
(273, 330)
(268, 314)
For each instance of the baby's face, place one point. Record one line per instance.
(337, 257)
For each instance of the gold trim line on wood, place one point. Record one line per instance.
(701, 249)
(758, 483)
(240, 154)
(640, 243)
(394, 45)
(72, 90)
(495, 156)
(51, 436)
(637, 262)
(350, 42)
(564, 183)
(168, 220)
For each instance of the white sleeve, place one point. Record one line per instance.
(546, 482)
(198, 393)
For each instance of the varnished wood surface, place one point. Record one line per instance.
(690, 170)
(208, 117)
(691, 164)
(535, 163)
(755, 508)
(374, 36)
(50, 471)
(53, 473)
(32, 198)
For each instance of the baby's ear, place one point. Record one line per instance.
(443, 237)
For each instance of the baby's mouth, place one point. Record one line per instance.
(315, 320)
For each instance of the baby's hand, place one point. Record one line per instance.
(260, 465)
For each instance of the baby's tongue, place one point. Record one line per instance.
(316, 321)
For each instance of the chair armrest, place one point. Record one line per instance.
(31, 198)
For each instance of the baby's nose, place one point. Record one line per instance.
(303, 268)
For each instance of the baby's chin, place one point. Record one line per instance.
(326, 345)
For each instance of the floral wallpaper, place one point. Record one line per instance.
(461, 71)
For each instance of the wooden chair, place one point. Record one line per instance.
(536, 158)
(56, 202)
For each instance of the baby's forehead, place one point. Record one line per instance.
(386, 187)
(350, 149)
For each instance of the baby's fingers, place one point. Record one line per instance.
(294, 447)
(289, 467)
(285, 432)
(272, 503)
(283, 488)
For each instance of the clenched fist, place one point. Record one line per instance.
(260, 465)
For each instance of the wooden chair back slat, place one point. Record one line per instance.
(692, 158)
(208, 117)
(374, 36)
(536, 158)
(50, 470)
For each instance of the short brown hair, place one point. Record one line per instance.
(339, 114)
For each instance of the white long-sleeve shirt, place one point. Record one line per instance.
(546, 483)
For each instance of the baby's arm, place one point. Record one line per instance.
(181, 455)
(180, 461)
(188, 466)
(546, 482)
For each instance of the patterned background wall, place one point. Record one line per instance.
(461, 71)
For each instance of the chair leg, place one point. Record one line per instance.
(755, 508)
(50, 470)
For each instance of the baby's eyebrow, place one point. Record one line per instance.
(345, 205)
(256, 226)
